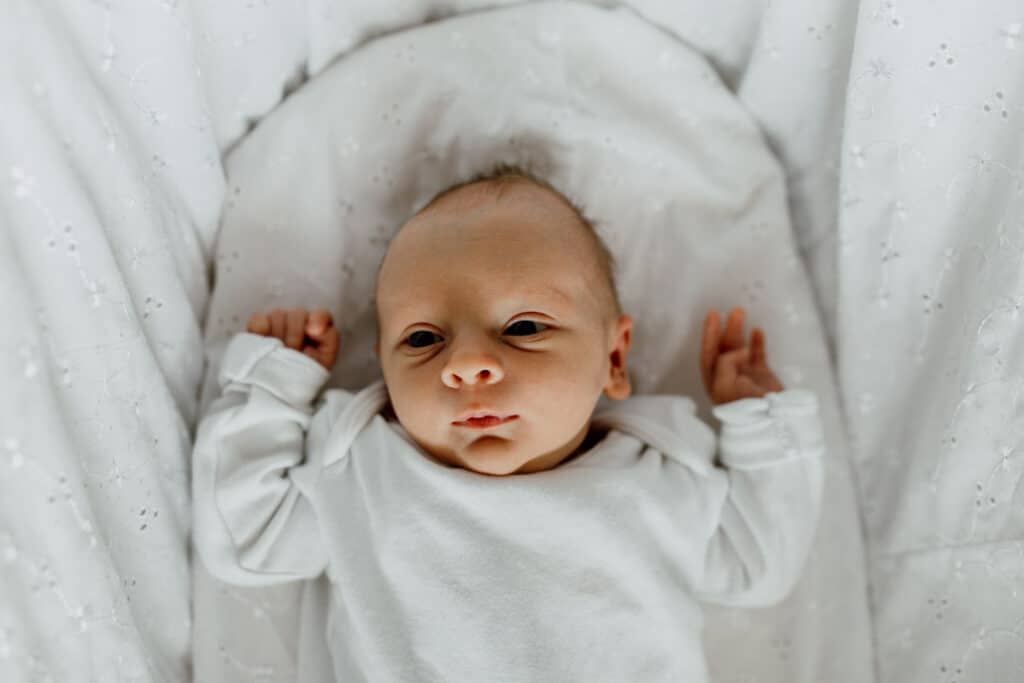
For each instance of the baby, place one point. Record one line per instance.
(477, 514)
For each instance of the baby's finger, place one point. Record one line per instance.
(727, 369)
(319, 321)
(733, 361)
(258, 324)
(331, 341)
(757, 352)
(277, 323)
(747, 388)
(763, 377)
(733, 337)
(326, 352)
(295, 329)
(709, 347)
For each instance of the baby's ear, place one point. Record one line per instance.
(618, 386)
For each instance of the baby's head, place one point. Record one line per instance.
(498, 297)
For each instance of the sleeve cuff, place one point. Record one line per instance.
(760, 431)
(267, 363)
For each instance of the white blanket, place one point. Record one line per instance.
(900, 123)
(109, 198)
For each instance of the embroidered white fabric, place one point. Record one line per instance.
(898, 126)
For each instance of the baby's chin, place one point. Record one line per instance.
(488, 469)
(495, 455)
(492, 456)
(489, 455)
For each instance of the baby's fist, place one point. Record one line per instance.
(313, 333)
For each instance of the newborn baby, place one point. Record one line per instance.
(479, 516)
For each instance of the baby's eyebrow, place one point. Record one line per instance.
(525, 293)
(551, 290)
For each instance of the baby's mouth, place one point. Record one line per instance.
(485, 422)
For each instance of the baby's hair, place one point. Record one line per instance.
(505, 174)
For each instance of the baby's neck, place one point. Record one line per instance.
(592, 438)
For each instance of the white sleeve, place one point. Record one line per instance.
(253, 522)
(771, 449)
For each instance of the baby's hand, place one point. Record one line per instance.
(313, 333)
(732, 370)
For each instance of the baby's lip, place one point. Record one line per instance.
(486, 422)
(466, 417)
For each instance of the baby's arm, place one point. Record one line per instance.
(772, 450)
(253, 521)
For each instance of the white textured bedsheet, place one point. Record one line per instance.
(900, 127)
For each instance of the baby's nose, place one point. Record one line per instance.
(472, 370)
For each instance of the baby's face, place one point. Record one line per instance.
(487, 303)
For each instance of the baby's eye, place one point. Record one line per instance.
(525, 330)
(423, 336)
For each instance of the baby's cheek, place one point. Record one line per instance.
(407, 401)
(568, 397)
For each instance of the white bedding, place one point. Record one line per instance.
(898, 125)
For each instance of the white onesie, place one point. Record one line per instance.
(591, 571)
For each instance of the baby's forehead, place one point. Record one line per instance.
(499, 258)
(508, 223)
